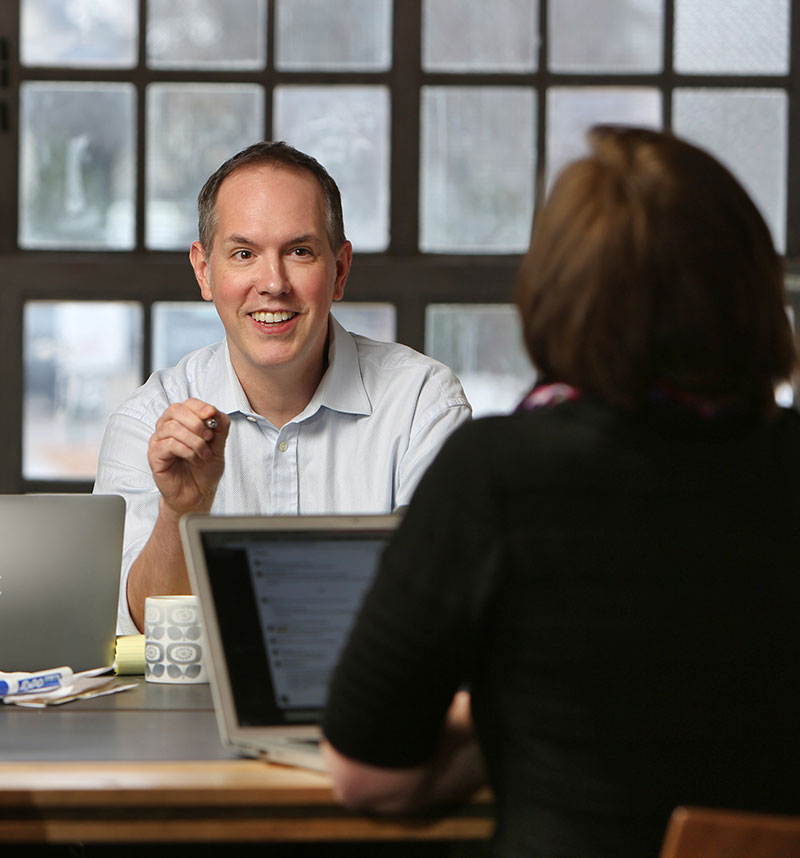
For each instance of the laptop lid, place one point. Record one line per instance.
(60, 559)
(278, 595)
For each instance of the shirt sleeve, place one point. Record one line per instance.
(123, 470)
(413, 643)
(442, 408)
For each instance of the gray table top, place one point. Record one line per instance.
(149, 722)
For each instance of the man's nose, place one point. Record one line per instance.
(272, 279)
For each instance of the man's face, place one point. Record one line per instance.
(272, 274)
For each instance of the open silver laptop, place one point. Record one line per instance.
(59, 580)
(278, 597)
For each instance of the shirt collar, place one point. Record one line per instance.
(341, 388)
(228, 393)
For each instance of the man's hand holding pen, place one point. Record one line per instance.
(187, 455)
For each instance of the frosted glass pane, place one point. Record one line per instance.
(482, 344)
(345, 35)
(77, 165)
(572, 111)
(79, 33)
(747, 131)
(631, 40)
(346, 128)
(477, 169)
(206, 34)
(81, 359)
(471, 35)
(180, 327)
(377, 321)
(191, 130)
(732, 36)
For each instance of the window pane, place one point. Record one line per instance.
(747, 131)
(732, 36)
(80, 33)
(206, 34)
(191, 130)
(377, 321)
(347, 34)
(572, 111)
(346, 128)
(77, 165)
(81, 359)
(466, 338)
(464, 36)
(477, 169)
(180, 327)
(631, 41)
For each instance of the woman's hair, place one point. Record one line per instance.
(271, 154)
(649, 265)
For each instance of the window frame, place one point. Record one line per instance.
(401, 275)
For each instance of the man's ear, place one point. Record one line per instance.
(344, 258)
(199, 260)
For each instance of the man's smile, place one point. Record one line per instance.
(272, 318)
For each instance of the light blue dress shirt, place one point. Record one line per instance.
(377, 419)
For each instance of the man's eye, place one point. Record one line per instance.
(301, 251)
(243, 254)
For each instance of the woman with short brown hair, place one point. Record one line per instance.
(612, 570)
(650, 267)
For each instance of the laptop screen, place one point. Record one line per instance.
(285, 602)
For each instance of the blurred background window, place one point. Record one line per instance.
(477, 170)
(735, 37)
(483, 344)
(79, 33)
(632, 38)
(747, 130)
(346, 128)
(207, 34)
(209, 122)
(348, 35)
(77, 166)
(180, 327)
(460, 36)
(442, 121)
(81, 360)
(374, 320)
(573, 110)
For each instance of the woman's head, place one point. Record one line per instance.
(648, 265)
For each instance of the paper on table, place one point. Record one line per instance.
(83, 686)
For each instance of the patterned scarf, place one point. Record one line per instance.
(550, 394)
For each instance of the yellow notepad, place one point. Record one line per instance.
(130, 654)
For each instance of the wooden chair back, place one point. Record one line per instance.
(697, 832)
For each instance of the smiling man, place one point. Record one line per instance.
(290, 414)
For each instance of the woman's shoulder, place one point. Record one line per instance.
(525, 434)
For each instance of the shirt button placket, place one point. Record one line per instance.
(285, 477)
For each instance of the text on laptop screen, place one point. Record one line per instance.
(284, 609)
(307, 597)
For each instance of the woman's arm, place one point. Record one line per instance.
(455, 772)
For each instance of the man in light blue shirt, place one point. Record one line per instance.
(289, 415)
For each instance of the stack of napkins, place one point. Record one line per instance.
(59, 685)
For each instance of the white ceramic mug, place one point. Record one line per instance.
(174, 640)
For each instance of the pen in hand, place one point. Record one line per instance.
(210, 423)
